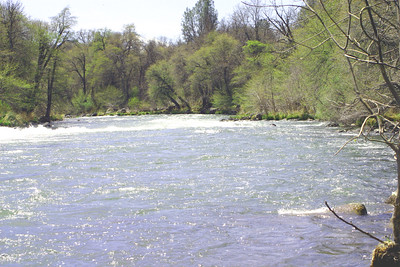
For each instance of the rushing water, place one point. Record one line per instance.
(188, 190)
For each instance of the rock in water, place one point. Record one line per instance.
(392, 199)
(356, 208)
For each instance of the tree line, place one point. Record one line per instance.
(248, 63)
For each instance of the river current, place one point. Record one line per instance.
(188, 190)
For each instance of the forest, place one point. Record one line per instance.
(267, 60)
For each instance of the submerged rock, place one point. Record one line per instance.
(351, 208)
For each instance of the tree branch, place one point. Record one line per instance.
(351, 224)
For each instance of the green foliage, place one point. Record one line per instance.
(161, 83)
(222, 102)
(4, 108)
(109, 97)
(134, 103)
(101, 69)
(83, 104)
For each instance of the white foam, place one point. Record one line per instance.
(41, 133)
(302, 212)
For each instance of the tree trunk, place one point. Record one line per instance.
(174, 101)
(185, 102)
(396, 211)
(50, 86)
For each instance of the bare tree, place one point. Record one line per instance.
(249, 22)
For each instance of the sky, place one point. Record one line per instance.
(152, 18)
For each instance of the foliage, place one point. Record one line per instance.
(82, 104)
(248, 62)
(199, 21)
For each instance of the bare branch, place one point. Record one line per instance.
(351, 224)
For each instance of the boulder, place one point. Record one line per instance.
(352, 208)
(386, 255)
(392, 199)
(257, 117)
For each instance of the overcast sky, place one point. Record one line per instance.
(152, 18)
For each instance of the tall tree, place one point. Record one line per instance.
(199, 20)
(211, 71)
(162, 84)
(50, 42)
(126, 55)
(248, 22)
(80, 58)
(13, 19)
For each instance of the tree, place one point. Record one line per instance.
(13, 20)
(282, 21)
(50, 39)
(15, 56)
(212, 69)
(80, 59)
(161, 83)
(248, 22)
(199, 21)
(125, 55)
(257, 75)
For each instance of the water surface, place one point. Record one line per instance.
(188, 190)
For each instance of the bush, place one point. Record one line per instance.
(134, 103)
(4, 108)
(82, 103)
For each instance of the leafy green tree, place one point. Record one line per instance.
(15, 56)
(124, 53)
(257, 78)
(212, 71)
(161, 83)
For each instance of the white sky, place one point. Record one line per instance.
(152, 18)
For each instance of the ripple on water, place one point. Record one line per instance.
(187, 190)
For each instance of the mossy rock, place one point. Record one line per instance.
(355, 208)
(386, 255)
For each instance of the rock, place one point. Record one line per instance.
(123, 110)
(213, 111)
(333, 124)
(257, 117)
(352, 208)
(392, 199)
(386, 255)
(110, 110)
(49, 125)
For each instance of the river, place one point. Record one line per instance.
(188, 190)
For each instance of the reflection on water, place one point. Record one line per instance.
(188, 190)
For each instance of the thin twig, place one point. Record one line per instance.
(351, 224)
